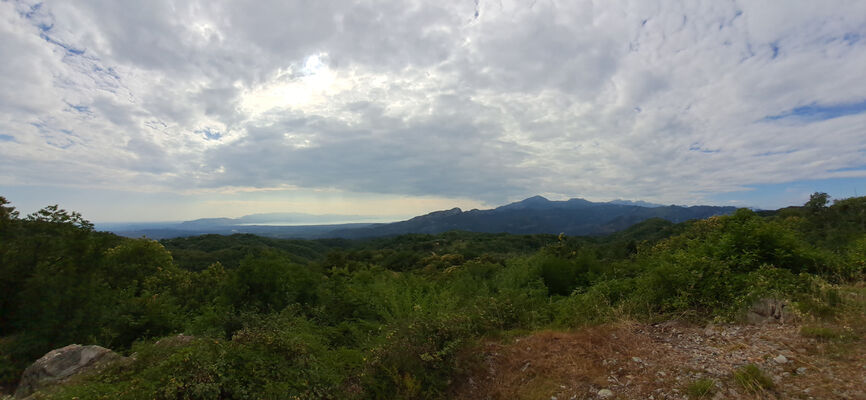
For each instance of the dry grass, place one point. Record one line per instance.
(672, 356)
(562, 364)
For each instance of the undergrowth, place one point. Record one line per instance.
(391, 321)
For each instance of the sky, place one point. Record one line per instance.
(174, 110)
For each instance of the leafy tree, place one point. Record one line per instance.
(7, 212)
(818, 202)
(269, 283)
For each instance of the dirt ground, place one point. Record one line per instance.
(664, 361)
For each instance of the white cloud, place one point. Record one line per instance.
(610, 99)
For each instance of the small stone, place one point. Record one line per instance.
(780, 359)
(637, 360)
(605, 393)
(801, 370)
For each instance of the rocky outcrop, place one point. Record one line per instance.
(770, 311)
(61, 364)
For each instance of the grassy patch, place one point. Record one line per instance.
(822, 332)
(751, 378)
(701, 389)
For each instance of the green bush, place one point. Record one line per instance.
(701, 389)
(751, 378)
(417, 358)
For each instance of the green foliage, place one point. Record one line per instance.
(416, 360)
(701, 389)
(269, 283)
(562, 276)
(817, 202)
(388, 317)
(751, 378)
(279, 356)
(7, 212)
(825, 333)
(198, 252)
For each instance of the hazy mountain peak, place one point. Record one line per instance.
(536, 199)
(639, 203)
(439, 214)
(531, 202)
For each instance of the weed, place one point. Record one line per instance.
(751, 378)
(701, 388)
(825, 333)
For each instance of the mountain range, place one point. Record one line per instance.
(533, 215)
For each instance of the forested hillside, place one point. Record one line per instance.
(384, 318)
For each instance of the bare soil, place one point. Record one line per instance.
(661, 361)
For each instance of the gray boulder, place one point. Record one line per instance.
(770, 311)
(61, 364)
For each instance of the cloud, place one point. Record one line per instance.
(472, 99)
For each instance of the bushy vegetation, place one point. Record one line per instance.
(701, 389)
(382, 318)
(752, 379)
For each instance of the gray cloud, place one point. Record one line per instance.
(485, 100)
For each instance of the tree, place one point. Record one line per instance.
(6, 212)
(818, 201)
(55, 215)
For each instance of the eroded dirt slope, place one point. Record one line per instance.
(667, 361)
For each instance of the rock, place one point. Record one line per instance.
(780, 359)
(605, 393)
(637, 360)
(172, 341)
(769, 311)
(801, 370)
(59, 364)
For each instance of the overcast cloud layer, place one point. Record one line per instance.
(489, 101)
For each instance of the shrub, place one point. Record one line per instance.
(417, 358)
(701, 389)
(751, 378)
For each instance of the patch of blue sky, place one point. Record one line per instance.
(851, 38)
(857, 168)
(820, 112)
(775, 47)
(6, 138)
(698, 148)
(107, 71)
(69, 49)
(777, 195)
(81, 109)
(40, 126)
(210, 134)
(62, 146)
(32, 11)
(776, 153)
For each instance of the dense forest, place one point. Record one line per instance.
(392, 317)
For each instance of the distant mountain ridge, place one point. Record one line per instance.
(635, 203)
(540, 215)
(273, 219)
(532, 215)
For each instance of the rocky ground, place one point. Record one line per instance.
(667, 361)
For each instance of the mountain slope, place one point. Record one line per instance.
(533, 215)
(538, 215)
